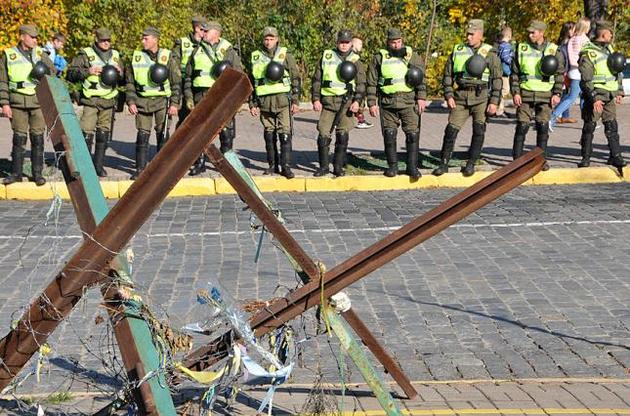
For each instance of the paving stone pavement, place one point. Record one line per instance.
(533, 286)
(564, 148)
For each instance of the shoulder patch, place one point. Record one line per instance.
(38, 53)
(223, 50)
(116, 59)
(523, 47)
(186, 44)
(328, 55)
(12, 56)
(281, 57)
(460, 47)
(163, 58)
(91, 58)
(255, 57)
(592, 54)
(137, 58)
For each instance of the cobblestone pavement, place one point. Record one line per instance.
(534, 286)
(564, 148)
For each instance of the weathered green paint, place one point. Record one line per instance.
(356, 353)
(82, 162)
(339, 327)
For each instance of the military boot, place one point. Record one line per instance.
(519, 139)
(142, 149)
(391, 153)
(17, 159)
(612, 134)
(412, 141)
(37, 158)
(323, 151)
(89, 141)
(161, 139)
(586, 144)
(285, 155)
(476, 144)
(100, 147)
(226, 137)
(448, 143)
(542, 137)
(270, 149)
(341, 147)
(199, 166)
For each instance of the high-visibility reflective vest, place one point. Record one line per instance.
(531, 79)
(188, 47)
(461, 54)
(19, 69)
(204, 59)
(259, 65)
(92, 86)
(393, 71)
(602, 77)
(141, 62)
(331, 84)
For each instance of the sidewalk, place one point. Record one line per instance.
(563, 152)
(474, 397)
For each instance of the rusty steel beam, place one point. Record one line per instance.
(304, 261)
(89, 264)
(399, 242)
(133, 334)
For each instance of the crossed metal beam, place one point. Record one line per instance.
(366, 261)
(95, 260)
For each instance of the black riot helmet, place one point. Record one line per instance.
(414, 76)
(475, 65)
(219, 67)
(109, 76)
(346, 71)
(158, 73)
(616, 62)
(548, 65)
(274, 71)
(40, 70)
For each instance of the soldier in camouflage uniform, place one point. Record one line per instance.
(602, 91)
(275, 101)
(148, 100)
(534, 93)
(328, 94)
(183, 49)
(397, 102)
(201, 74)
(19, 102)
(469, 94)
(98, 100)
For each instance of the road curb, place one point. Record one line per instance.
(28, 191)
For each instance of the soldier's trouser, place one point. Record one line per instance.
(144, 121)
(392, 118)
(277, 121)
(28, 120)
(327, 118)
(96, 118)
(538, 110)
(458, 115)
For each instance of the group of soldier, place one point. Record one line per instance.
(162, 83)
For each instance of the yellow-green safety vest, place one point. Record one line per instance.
(259, 65)
(331, 84)
(203, 60)
(531, 79)
(92, 86)
(188, 47)
(141, 62)
(602, 77)
(393, 71)
(461, 54)
(19, 70)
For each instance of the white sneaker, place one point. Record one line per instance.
(365, 125)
